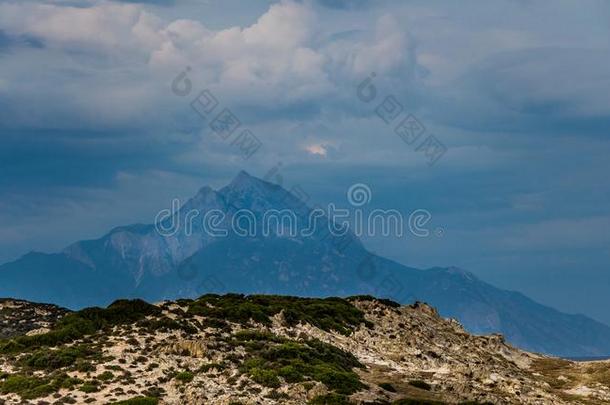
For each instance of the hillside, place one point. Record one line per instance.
(236, 349)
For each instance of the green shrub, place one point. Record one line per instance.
(328, 314)
(265, 377)
(272, 356)
(207, 367)
(89, 387)
(139, 401)
(343, 382)
(105, 376)
(84, 366)
(185, 376)
(67, 382)
(291, 374)
(50, 359)
(166, 324)
(28, 387)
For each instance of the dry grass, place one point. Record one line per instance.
(563, 375)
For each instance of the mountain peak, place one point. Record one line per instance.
(205, 190)
(245, 185)
(243, 177)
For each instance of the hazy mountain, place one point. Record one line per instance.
(138, 261)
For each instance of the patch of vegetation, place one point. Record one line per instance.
(27, 387)
(329, 314)
(211, 366)
(84, 366)
(272, 357)
(90, 386)
(184, 376)
(330, 399)
(420, 384)
(30, 387)
(84, 322)
(388, 387)
(139, 401)
(48, 359)
(166, 324)
(214, 323)
(105, 376)
(265, 377)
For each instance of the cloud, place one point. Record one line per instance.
(551, 90)
(343, 4)
(154, 2)
(117, 55)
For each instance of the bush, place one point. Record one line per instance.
(328, 314)
(210, 366)
(139, 401)
(30, 387)
(105, 376)
(84, 366)
(166, 324)
(272, 357)
(27, 387)
(184, 377)
(265, 377)
(89, 387)
(343, 382)
(291, 374)
(54, 359)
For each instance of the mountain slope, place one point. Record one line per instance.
(137, 261)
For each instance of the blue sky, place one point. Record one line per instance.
(92, 136)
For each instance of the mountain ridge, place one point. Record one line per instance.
(137, 261)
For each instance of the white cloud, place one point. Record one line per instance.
(107, 50)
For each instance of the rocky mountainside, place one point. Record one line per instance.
(139, 261)
(236, 349)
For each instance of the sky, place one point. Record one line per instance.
(97, 128)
